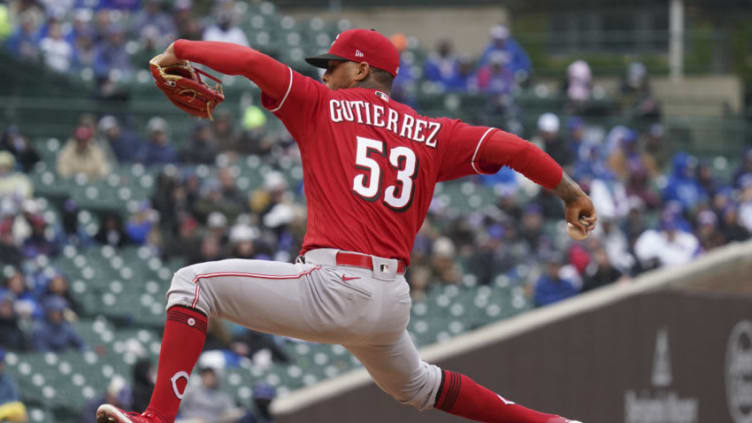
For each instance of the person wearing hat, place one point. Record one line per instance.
(82, 155)
(263, 394)
(124, 144)
(502, 42)
(13, 183)
(553, 286)
(11, 408)
(158, 150)
(55, 333)
(207, 403)
(370, 165)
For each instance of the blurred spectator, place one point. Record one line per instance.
(550, 141)
(667, 246)
(637, 98)
(242, 239)
(745, 203)
(578, 85)
(706, 179)
(496, 76)
(118, 393)
(10, 253)
(254, 138)
(82, 155)
(516, 59)
(151, 18)
(552, 287)
(263, 395)
(123, 143)
(158, 149)
(187, 26)
(531, 230)
(11, 335)
(55, 333)
(24, 42)
(730, 227)
(111, 231)
(210, 250)
(18, 144)
(26, 304)
(84, 50)
(224, 131)
(600, 271)
(203, 147)
(708, 233)
(616, 245)
(682, 185)
(225, 30)
(112, 64)
(186, 242)
(141, 223)
(149, 45)
(464, 80)
(56, 50)
(745, 168)
(13, 184)
(656, 149)
(221, 195)
(58, 287)
(11, 408)
(40, 241)
(491, 257)
(441, 66)
(249, 342)
(403, 86)
(207, 402)
(81, 24)
(443, 265)
(144, 375)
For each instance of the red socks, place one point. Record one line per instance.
(183, 339)
(461, 396)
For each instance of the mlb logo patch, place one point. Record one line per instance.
(359, 53)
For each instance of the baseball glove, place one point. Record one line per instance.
(183, 86)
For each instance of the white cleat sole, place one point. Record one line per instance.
(109, 414)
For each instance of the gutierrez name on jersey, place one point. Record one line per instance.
(402, 125)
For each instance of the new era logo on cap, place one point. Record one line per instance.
(361, 45)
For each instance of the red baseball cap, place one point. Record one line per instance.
(361, 45)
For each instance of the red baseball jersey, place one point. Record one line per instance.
(370, 164)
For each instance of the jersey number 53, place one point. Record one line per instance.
(397, 196)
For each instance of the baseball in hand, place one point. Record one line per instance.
(575, 232)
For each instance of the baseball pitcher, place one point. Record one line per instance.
(370, 165)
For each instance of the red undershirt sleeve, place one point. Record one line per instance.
(271, 76)
(505, 149)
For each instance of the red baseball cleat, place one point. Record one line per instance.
(107, 413)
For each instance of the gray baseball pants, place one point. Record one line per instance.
(365, 310)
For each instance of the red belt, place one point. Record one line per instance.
(364, 261)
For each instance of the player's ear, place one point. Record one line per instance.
(362, 71)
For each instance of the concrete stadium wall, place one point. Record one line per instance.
(467, 27)
(645, 352)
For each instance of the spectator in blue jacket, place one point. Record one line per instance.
(443, 65)
(552, 287)
(517, 60)
(55, 333)
(124, 144)
(682, 186)
(24, 42)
